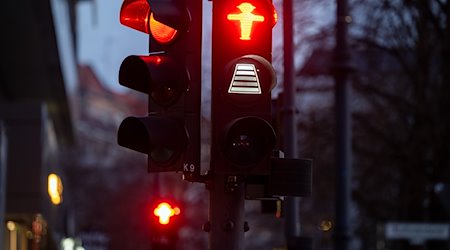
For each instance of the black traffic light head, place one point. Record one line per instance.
(170, 76)
(242, 80)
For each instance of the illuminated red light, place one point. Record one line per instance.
(161, 32)
(137, 15)
(246, 19)
(134, 14)
(165, 211)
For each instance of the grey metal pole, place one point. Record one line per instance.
(3, 163)
(226, 227)
(343, 131)
(292, 204)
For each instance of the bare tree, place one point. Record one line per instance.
(402, 133)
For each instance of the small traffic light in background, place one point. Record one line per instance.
(164, 212)
(170, 76)
(165, 217)
(242, 80)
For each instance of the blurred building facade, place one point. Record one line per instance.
(99, 165)
(37, 76)
(98, 115)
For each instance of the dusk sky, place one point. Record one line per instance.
(103, 42)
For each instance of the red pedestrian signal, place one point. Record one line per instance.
(164, 211)
(245, 22)
(242, 80)
(165, 222)
(246, 19)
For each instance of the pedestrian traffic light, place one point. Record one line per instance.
(164, 212)
(170, 76)
(242, 80)
(165, 222)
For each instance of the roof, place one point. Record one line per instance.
(132, 101)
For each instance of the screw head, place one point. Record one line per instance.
(228, 226)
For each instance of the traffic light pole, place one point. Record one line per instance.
(292, 205)
(226, 225)
(242, 137)
(294, 238)
(343, 131)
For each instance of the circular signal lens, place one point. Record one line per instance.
(248, 141)
(165, 95)
(161, 154)
(162, 33)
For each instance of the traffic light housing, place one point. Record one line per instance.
(166, 218)
(242, 80)
(170, 76)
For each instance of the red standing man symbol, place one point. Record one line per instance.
(246, 17)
